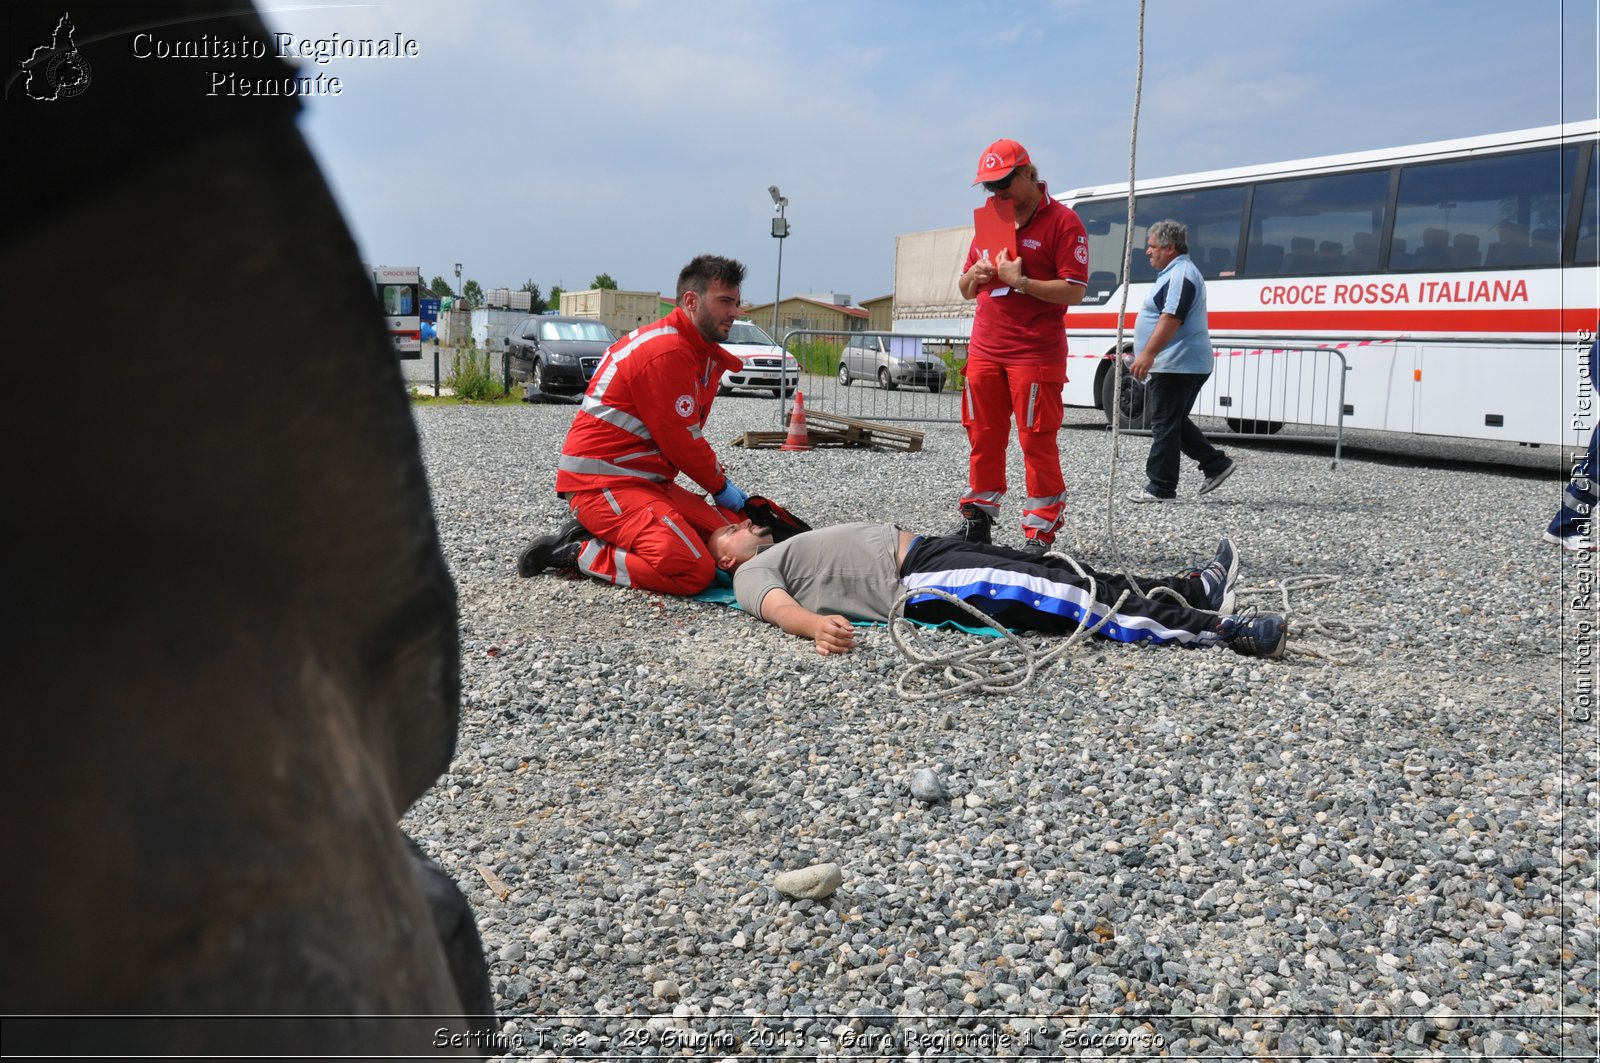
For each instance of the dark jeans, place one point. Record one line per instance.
(1169, 396)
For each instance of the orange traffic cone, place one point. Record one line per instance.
(799, 438)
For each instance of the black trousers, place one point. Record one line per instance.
(1169, 397)
(1046, 594)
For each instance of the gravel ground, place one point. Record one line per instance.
(1386, 852)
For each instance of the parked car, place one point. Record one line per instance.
(891, 361)
(766, 365)
(557, 354)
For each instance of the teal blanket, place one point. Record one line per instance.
(721, 593)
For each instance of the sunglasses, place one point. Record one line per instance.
(1000, 185)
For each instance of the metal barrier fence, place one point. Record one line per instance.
(900, 376)
(1256, 391)
(879, 376)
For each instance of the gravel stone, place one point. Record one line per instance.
(926, 786)
(809, 883)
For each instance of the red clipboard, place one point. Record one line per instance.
(995, 224)
(995, 228)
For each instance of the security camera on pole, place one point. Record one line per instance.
(780, 229)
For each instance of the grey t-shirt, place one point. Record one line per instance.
(848, 569)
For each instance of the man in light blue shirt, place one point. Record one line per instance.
(1174, 359)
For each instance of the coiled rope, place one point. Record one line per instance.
(1009, 663)
(994, 667)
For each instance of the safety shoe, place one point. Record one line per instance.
(974, 526)
(1252, 634)
(1035, 547)
(558, 550)
(1218, 579)
(1214, 482)
(1144, 495)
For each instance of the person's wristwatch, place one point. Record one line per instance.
(1022, 285)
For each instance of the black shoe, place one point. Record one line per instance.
(1218, 579)
(1254, 635)
(974, 526)
(1214, 482)
(1035, 547)
(558, 550)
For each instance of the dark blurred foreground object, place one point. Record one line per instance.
(230, 649)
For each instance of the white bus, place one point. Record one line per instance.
(1458, 279)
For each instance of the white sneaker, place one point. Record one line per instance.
(1144, 495)
(1573, 542)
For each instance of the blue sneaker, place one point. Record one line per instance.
(1218, 579)
(1252, 634)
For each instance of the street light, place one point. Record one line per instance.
(458, 280)
(780, 229)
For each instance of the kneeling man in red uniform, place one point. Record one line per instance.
(642, 423)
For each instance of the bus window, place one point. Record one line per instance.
(1499, 211)
(1106, 222)
(1212, 216)
(1317, 225)
(1588, 250)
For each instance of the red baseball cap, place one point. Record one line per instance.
(999, 159)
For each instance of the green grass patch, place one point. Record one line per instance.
(422, 395)
(818, 356)
(474, 376)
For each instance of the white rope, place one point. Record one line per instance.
(995, 667)
(1304, 630)
(1122, 312)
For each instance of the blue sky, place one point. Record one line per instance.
(556, 141)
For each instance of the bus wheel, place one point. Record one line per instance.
(1254, 428)
(1134, 415)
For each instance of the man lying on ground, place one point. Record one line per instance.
(813, 584)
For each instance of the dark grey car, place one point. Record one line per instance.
(557, 354)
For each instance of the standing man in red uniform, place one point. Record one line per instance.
(1017, 358)
(642, 423)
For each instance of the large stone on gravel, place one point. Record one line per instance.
(809, 883)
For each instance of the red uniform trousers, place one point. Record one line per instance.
(649, 535)
(995, 393)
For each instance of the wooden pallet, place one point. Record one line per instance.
(865, 433)
(831, 430)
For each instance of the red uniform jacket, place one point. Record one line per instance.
(643, 417)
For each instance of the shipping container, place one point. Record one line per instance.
(621, 311)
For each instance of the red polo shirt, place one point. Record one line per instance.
(1020, 329)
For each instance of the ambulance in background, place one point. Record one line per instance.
(399, 293)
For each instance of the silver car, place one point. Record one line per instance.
(891, 361)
